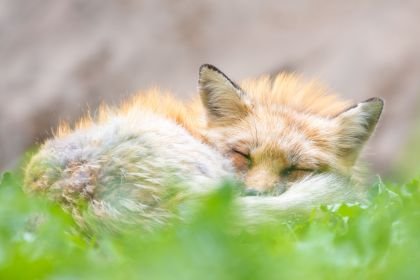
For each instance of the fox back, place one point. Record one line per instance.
(129, 166)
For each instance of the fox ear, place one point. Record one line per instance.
(356, 125)
(224, 100)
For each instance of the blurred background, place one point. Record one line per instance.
(61, 58)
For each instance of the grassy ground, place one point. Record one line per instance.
(378, 242)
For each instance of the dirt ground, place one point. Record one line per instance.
(59, 58)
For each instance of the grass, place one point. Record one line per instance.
(342, 242)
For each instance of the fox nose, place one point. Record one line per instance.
(252, 192)
(277, 189)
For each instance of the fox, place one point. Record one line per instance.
(292, 144)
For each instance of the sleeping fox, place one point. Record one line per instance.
(292, 144)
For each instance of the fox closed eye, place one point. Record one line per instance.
(243, 153)
(241, 158)
(296, 172)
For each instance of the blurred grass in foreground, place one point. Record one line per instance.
(347, 241)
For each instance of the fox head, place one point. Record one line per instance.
(277, 131)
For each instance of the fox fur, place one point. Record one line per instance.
(293, 144)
